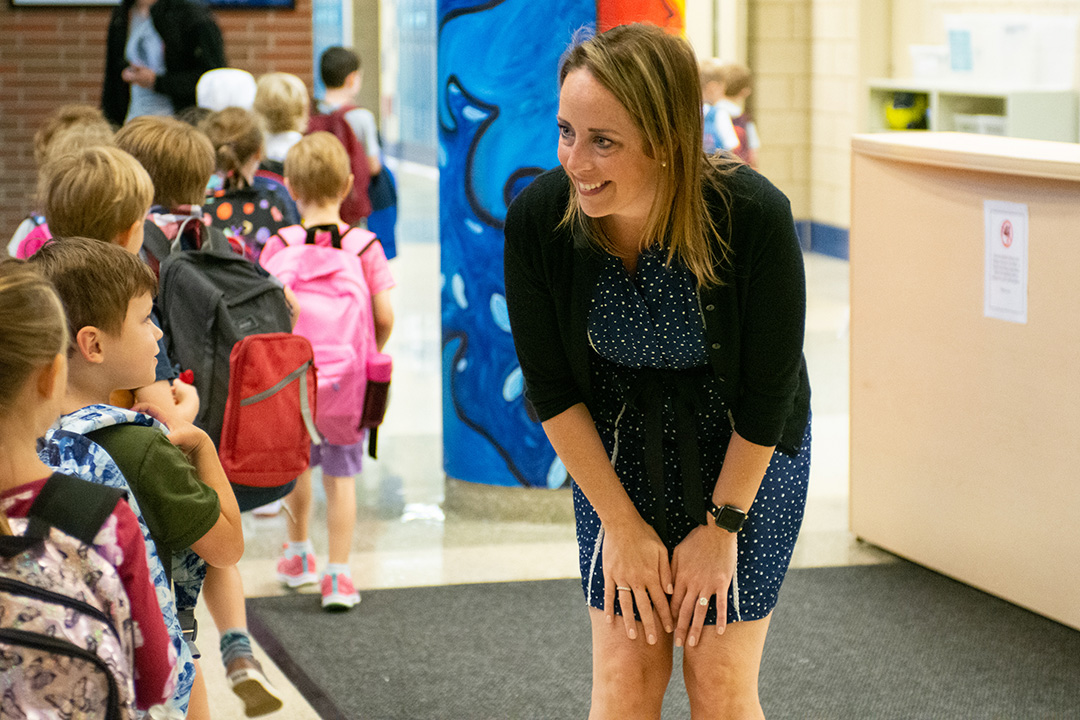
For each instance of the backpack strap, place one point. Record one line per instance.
(374, 239)
(333, 229)
(76, 507)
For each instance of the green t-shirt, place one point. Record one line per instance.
(178, 507)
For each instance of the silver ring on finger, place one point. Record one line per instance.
(703, 601)
(623, 587)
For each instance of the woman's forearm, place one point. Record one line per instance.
(573, 435)
(744, 467)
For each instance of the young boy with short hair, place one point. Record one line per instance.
(176, 481)
(317, 173)
(104, 193)
(738, 84)
(343, 77)
(719, 131)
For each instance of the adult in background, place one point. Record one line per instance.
(155, 53)
(657, 303)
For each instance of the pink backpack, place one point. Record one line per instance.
(336, 317)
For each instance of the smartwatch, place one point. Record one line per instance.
(727, 517)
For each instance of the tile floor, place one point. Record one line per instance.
(405, 538)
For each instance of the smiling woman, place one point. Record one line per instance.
(657, 302)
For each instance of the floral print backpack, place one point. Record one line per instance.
(66, 636)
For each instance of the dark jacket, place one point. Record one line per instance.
(193, 45)
(754, 323)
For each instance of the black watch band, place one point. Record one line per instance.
(727, 517)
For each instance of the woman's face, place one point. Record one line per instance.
(604, 155)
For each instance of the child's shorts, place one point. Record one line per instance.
(339, 460)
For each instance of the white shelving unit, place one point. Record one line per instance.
(1035, 114)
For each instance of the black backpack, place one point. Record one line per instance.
(208, 300)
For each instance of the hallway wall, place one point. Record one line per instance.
(56, 55)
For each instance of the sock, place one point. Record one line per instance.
(338, 569)
(235, 643)
(293, 549)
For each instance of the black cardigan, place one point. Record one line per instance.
(754, 323)
(193, 45)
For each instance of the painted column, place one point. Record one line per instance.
(498, 97)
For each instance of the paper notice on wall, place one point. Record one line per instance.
(1006, 286)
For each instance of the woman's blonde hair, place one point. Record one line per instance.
(318, 168)
(97, 192)
(179, 158)
(654, 75)
(237, 137)
(32, 332)
(282, 100)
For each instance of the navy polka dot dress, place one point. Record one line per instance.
(653, 322)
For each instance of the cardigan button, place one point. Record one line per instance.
(716, 346)
(710, 307)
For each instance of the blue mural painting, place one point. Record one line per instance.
(498, 96)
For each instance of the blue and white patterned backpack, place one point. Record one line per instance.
(66, 449)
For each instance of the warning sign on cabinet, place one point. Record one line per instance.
(1006, 228)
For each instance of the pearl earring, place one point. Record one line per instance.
(663, 164)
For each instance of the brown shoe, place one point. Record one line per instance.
(246, 678)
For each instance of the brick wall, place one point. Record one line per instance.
(53, 56)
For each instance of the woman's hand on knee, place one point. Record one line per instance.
(703, 565)
(637, 572)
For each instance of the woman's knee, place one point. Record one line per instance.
(721, 673)
(629, 676)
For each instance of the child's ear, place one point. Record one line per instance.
(132, 238)
(348, 187)
(53, 378)
(88, 344)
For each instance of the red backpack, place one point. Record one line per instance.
(357, 205)
(269, 423)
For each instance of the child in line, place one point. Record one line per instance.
(176, 479)
(343, 76)
(103, 193)
(71, 127)
(738, 84)
(33, 379)
(179, 160)
(317, 173)
(281, 99)
(238, 205)
(719, 131)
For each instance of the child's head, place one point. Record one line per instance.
(33, 366)
(85, 121)
(179, 158)
(737, 80)
(237, 140)
(711, 73)
(282, 100)
(32, 328)
(336, 65)
(317, 169)
(107, 295)
(97, 192)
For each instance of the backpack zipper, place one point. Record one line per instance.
(14, 587)
(60, 646)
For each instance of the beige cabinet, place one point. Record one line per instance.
(965, 429)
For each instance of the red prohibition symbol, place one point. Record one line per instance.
(1006, 233)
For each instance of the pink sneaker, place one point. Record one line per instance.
(338, 592)
(297, 570)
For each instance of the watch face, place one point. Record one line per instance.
(730, 518)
